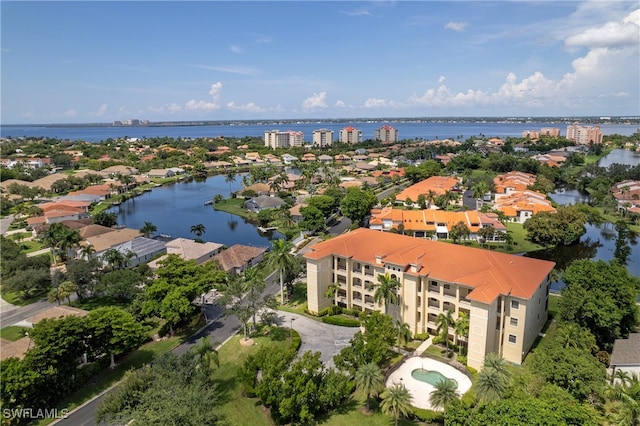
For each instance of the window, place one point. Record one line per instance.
(512, 338)
(513, 321)
(515, 304)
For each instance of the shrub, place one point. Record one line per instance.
(352, 312)
(422, 336)
(335, 310)
(471, 370)
(345, 322)
(428, 416)
(462, 359)
(438, 340)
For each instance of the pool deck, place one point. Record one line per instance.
(420, 391)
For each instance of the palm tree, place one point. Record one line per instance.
(65, 289)
(60, 237)
(283, 260)
(446, 391)
(331, 291)
(626, 394)
(148, 229)
(54, 295)
(461, 327)
(370, 380)
(87, 251)
(386, 290)
(496, 362)
(198, 230)
(431, 197)
(230, 177)
(114, 258)
(207, 355)
(572, 335)
(396, 401)
(444, 321)
(404, 332)
(490, 385)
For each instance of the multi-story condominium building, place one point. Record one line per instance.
(505, 296)
(277, 139)
(350, 135)
(584, 135)
(553, 132)
(386, 134)
(322, 137)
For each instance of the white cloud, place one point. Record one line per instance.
(611, 34)
(315, 101)
(236, 49)
(340, 104)
(70, 113)
(215, 90)
(100, 112)
(262, 38)
(380, 103)
(174, 107)
(441, 79)
(456, 26)
(250, 107)
(194, 105)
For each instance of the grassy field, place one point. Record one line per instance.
(12, 332)
(100, 302)
(520, 242)
(234, 206)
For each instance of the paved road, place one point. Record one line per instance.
(5, 223)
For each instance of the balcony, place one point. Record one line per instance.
(450, 292)
(357, 268)
(434, 303)
(357, 282)
(357, 296)
(368, 270)
(465, 301)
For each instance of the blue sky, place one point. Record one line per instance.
(84, 62)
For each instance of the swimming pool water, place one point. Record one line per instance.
(429, 376)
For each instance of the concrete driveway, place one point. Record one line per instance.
(317, 336)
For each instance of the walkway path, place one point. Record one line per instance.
(423, 347)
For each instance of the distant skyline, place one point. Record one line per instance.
(88, 62)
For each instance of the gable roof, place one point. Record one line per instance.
(626, 351)
(489, 273)
(190, 249)
(438, 184)
(106, 241)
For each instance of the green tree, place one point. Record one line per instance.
(114, 331)
(283, 260)
(396, 402)
(312, 219)
(198, 230)
(148, 229)
(370, 381)
(564, 227)
(459, 231)
(602, 297)
(386, 290)
(208, 356)
(444, 321)
(404, 332)
(444, 393)
(230, 177)
(105, 219)
(60, 238)
(489, 385)
(357, 204)
(461, 327)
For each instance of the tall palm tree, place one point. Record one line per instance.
(404, 332)
(87, 251)
(283, 260)
(230, 177)
(114, 258)
(461, 327)
(396, 401)
(446, 391)
(331, 291)
(489, 385)
(198, 230)
(626, 394)
(65, 289)
(60, 237)
(369, 380)
(444, 321)
(572, 335)
(386, 290)
(148, 229)
(496, 362)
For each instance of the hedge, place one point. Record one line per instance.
(345, 322)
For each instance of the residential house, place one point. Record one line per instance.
(288, 159)
(518, 206)
(103, 242)
(435, 224)
(189, 250)
(505, 296)
(513, 181)
(263, 202)
(237, 258)
(626, 355)
(436, 185)
(160, 173)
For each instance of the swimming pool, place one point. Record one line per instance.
(430, 376)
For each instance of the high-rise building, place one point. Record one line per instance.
(584, 135)
(277, 139)
(505, 296)
(322, 137)
(350, 135)
(386, 134)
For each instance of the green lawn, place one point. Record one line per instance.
(234, 206)
(15, 298)
(520, 242)
(12, 332)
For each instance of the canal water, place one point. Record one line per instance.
(600, 240)
(175, 208)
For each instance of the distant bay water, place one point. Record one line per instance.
(406, 130)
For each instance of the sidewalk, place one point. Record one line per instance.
(423, 347)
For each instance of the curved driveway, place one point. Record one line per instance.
(317, 336)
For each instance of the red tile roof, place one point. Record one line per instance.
(489, 273)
